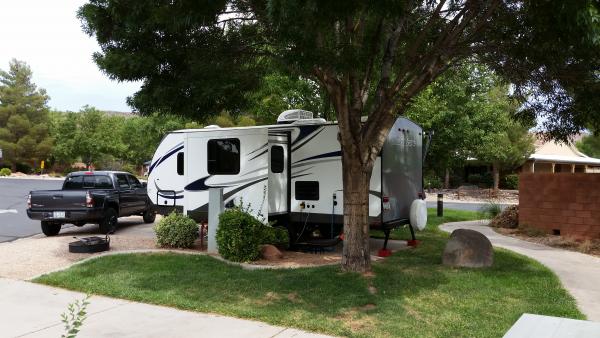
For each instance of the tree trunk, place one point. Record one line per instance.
(13, 167)
(496, 175)
(356, 255)
(447, 179)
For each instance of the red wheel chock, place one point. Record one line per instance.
(384, 253)
(413, 242)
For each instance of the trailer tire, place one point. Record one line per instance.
(50, 229)
(149, 216)
(108, 224)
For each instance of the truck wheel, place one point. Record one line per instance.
(108, 224)
(50, 229)
(79, 224)
(149, 216)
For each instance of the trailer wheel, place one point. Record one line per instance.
(50, 229)
(108, 225)
(149, 216)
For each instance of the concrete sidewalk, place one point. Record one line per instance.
(33, 310)
(579, 273)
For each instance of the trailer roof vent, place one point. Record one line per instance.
(292, 115)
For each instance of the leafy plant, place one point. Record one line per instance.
(490, 210)
(278, 236)
(240, 235)
(433, 182)
(511, 181)
(5, 172)
(74, 316)
(474, 179)
(176, 231)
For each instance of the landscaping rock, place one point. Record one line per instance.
(468, 248)
(270, 252)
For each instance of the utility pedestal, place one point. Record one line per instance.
(215, 208)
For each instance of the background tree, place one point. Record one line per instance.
(370, 57)
(279, 92)
(590, 145)
(23, 117)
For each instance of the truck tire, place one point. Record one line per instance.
(149, 216)
(50, 229)
(108, 224)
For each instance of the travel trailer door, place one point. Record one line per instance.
(278, 174)
(401, 170)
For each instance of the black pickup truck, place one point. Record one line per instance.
(90, 197)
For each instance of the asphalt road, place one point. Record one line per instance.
(14, 222)
(463, 206)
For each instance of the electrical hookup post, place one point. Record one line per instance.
(215, 208)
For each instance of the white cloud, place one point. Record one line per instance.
(48, 36)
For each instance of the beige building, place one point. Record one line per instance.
(553, 157)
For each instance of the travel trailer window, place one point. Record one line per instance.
(223, 156)
(277, 159)
(307, 190)
(179, 163)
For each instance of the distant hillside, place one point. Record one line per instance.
(119, 113)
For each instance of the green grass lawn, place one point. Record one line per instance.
(415, 295)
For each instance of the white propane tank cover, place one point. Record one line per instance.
(418, 214)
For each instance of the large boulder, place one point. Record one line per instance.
(468, 248)
(270, 252)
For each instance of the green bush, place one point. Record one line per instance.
(176, 231)
(240, 235)
(455, 181)
(5, 172)
(277, 236)
(511, 181)
(474, 179)
(490, 210)
(487, 180)
(433, 182)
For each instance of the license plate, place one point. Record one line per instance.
(58, 214)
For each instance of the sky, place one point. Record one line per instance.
(47, 35)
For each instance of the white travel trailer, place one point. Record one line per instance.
(290, 172)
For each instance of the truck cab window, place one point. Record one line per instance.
(73, 182)
(122, 181)
(103, 182)
(134, 182)
(223, 156)
(277, 159)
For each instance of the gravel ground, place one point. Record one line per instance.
(32, 256)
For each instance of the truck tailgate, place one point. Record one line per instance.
(59, 200)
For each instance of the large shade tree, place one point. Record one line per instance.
(371, 57)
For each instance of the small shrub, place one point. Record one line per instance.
(74, 317)
(490, 210)
(474, 179)
(487, 180)
(240, 235)
(176, 231)
(433, 182)
(5, 172)
(511, 182)
(277, 236)
(456, 181)
(508, 218)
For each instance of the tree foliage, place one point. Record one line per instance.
(23, 116)
(370, 57)
(470, 112)
(590, 145)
